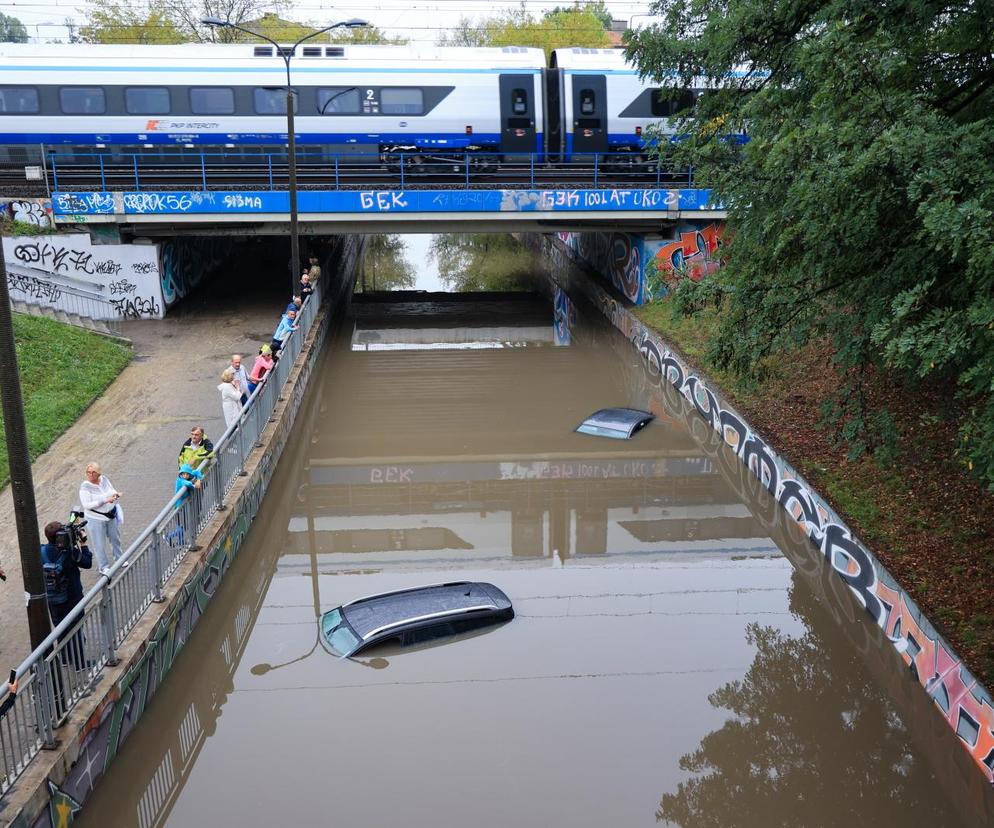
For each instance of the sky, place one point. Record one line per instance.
(421, 22)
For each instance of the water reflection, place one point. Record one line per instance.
(795, 724)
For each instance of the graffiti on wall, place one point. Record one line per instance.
(52, 270)
(183, 263)
(34, 211)
(694, 255)
(615, 255)
(564, 315)
(965, 704)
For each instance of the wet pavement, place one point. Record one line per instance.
(675, 658)
(136, 427)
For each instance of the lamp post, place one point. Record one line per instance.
(287, 52)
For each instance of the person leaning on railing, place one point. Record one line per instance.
(263, 365)
(197, 451)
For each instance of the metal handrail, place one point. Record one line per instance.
(60, 671)
(207, 170)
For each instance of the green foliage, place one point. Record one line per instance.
(62, 369)
(119, 22)
(482, 262)
(573, 26)
(12, 30)
(384, 265)
(365, 35)
(273, 26)
(861, 207)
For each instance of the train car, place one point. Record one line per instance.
(604, 105)
(350, 99)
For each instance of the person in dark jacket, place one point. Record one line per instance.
(63, 585)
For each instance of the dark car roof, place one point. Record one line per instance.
(615, 422)
(368, 615)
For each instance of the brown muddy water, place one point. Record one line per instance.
(678, 656)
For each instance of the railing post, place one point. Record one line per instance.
(134, 159)
(532, 169)
(659, 170)
(596, 156)
(402, 170)
(467, 170)
(103, 180)
(242, 454)
(55, 173)
(107, 624)
(44, 704)
(156, 553)
(269, 157)
(690, 176)
(337, 185)
(203, 172)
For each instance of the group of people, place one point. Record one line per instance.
(237, 384)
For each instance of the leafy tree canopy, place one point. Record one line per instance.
(12, 30)
(482, 262)
(120, 22)
(365, 35)
(573, 26)
(861, 207)
(384, 265)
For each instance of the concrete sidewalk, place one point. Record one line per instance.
(135, 429)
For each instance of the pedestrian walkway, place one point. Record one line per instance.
(135, 428)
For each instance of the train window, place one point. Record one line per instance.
(519, 101)
(272, 101)
(338, 100)
(82, 100)
(19, 99)
(401, 101)
(667, 102)
(146, 100)
(586, 101)
(212, 100)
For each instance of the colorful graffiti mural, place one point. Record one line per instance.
(965, 704)
(183, 263)
(33, 211)
(694, 255)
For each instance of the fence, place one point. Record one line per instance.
(248, 169)
(62, 668)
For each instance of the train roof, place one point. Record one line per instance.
(612, 60)
(261, 55)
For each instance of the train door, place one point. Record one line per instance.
(589, 125)
(517, 113)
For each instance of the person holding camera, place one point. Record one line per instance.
(62, 558)
(102, 508)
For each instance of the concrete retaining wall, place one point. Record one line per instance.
(57, 783)
(933, 666)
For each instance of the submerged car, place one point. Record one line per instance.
(619, 423)
(413, 616)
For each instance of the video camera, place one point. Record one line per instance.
(72, 536)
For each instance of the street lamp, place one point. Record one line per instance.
(287, 52)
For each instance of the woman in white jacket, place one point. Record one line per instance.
(231, 397)
(102, 509)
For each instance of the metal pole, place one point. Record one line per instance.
(21, 483)
(292, 161)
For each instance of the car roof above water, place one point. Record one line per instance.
(367, 615)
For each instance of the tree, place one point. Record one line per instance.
(860, 208)
(186, 17)
(598, 8)
(365, 35)
(478, 261)
(574, 26)
(384, 266)
(12, 30)
(117, 22)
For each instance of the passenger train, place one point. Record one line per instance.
(350, 100)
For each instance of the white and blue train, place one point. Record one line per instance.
(350, 100)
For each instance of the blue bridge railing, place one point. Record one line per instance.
(191, 170)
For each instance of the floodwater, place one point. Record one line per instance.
(670, 662)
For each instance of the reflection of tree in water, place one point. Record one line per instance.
(813, 742)
(482, 261)
(384, 266)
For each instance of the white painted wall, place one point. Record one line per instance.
(39, 268)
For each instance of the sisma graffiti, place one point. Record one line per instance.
(965, 704)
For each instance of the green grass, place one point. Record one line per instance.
(63, 369)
